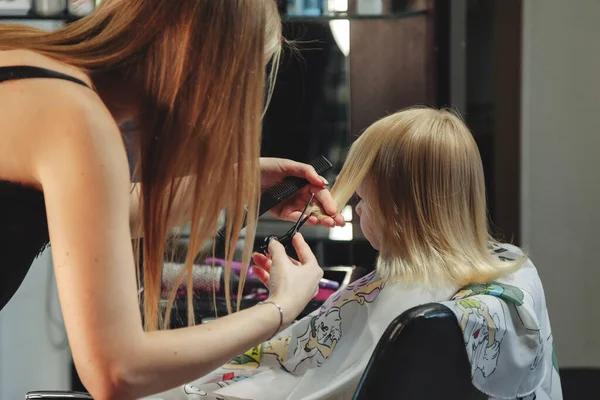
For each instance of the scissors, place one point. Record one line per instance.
(286, 239)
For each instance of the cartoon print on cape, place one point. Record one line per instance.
(253, 358)
(507, 333)
(199, 393)
(191, 389)
(502, 253)
(324, 330)
(508, 293)
(550, 342)
(554, 358)
(483, 334)
(513, 296)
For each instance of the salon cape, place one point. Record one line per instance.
(505, 326)
(507, 334)
(321, 356)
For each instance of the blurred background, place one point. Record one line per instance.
(523, 73)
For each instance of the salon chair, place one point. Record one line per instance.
(421, 356)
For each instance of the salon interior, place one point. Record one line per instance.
(524, 76)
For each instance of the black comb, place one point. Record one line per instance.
(290, 185)
(287, 187)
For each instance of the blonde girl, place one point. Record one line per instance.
(418, 178)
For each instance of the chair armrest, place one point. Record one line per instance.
(57, 395)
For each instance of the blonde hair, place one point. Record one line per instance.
(424, 180)
(199, 67)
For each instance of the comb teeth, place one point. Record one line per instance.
(287, 187)
(321, 165)
(291, 184)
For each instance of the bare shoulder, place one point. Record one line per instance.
(31, 58)
(79, 134)
(42, 117)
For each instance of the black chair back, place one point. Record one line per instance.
(579, 383)
(421, 356)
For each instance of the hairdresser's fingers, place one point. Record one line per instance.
(312, 220)
(302, 170)
(259, 258)
(339, 220)
(292, 210)
(262, 275)
(288, 215)
(325, 202)
(295, 262)
(277, 252)
(326, 221)
(323, 196)
(305, 254)
(262, 261)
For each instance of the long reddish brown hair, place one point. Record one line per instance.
(199, 66)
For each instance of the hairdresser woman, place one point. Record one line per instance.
(191, 74)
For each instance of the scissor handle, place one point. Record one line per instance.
(264, 248)
(286, 239)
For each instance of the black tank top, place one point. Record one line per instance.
(23, 225)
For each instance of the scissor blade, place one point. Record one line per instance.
(302, 223)
(312, 196)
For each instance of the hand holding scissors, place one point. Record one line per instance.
(286, 239)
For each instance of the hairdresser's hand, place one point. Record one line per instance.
(292, 283)
(274, 170)
(262, 267)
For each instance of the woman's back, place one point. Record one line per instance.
(28, 82)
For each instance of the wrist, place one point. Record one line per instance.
(288, 310)
(276, 306)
